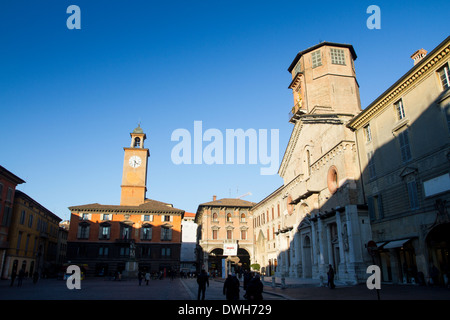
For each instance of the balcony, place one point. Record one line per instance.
(124, 241)
(296, 112)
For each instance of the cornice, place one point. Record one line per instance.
(336, 150)
(290, 148)
(417, 73)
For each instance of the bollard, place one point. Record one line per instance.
(283, 283)
(273, 281)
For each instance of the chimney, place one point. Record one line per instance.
(418, 55)
(214, 198)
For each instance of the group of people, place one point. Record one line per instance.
(231, 288)
(22, 275)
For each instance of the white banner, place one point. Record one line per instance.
(230, 249)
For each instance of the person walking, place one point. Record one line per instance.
(21, 276)
(231, 287)
(247, 278)
(147, 277)
(202, 281)
(13, 277)
(140, 277)
(35, 277)
(255, 289)
(330, 274)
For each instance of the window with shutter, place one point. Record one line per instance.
(444, 77)
(400, 109)
(404, 146)
(412, 193)
(146, 233)
(371, 165)
(370, 204)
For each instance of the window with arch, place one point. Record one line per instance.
(214, 217)
(137, 142)
(105, 231)
(308, 162)
(243, 217)
(228, 217)
(166, 233)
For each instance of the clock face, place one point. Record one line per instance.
(134, 161)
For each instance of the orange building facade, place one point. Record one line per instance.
(140, 234)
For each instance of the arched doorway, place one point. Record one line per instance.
(244, 260)
(307, 263)
(438, 242)
(238, 265)
(215, 262)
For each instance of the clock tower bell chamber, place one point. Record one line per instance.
(134, 178)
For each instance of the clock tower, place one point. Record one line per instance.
(134, 178)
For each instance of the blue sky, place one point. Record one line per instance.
(70, 98)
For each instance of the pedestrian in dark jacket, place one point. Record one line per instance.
(330, 274)
(202, 281)
(231, 287)
(13, 277)
(247, 278)
(21, 276)
(255, 289)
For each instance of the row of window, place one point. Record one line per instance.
(146, 232)
(228, 217)
(262, 218)
(142, 252)
(41, 225)
(108, 217)
(215, 233)
(337, 57)
(403, 137)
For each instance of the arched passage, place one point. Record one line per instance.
(307, 263)
(215, 262)
(438, 242)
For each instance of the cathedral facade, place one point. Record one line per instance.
(318, 217)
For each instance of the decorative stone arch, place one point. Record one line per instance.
(438, 245)
(307, 154)
(307, 255)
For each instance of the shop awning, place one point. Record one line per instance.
(395, 244)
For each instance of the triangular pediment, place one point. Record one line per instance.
(408, 170)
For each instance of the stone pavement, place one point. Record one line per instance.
(309, 289)
(186, 289)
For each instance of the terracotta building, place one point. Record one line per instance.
(139, 234)
(225, 225)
